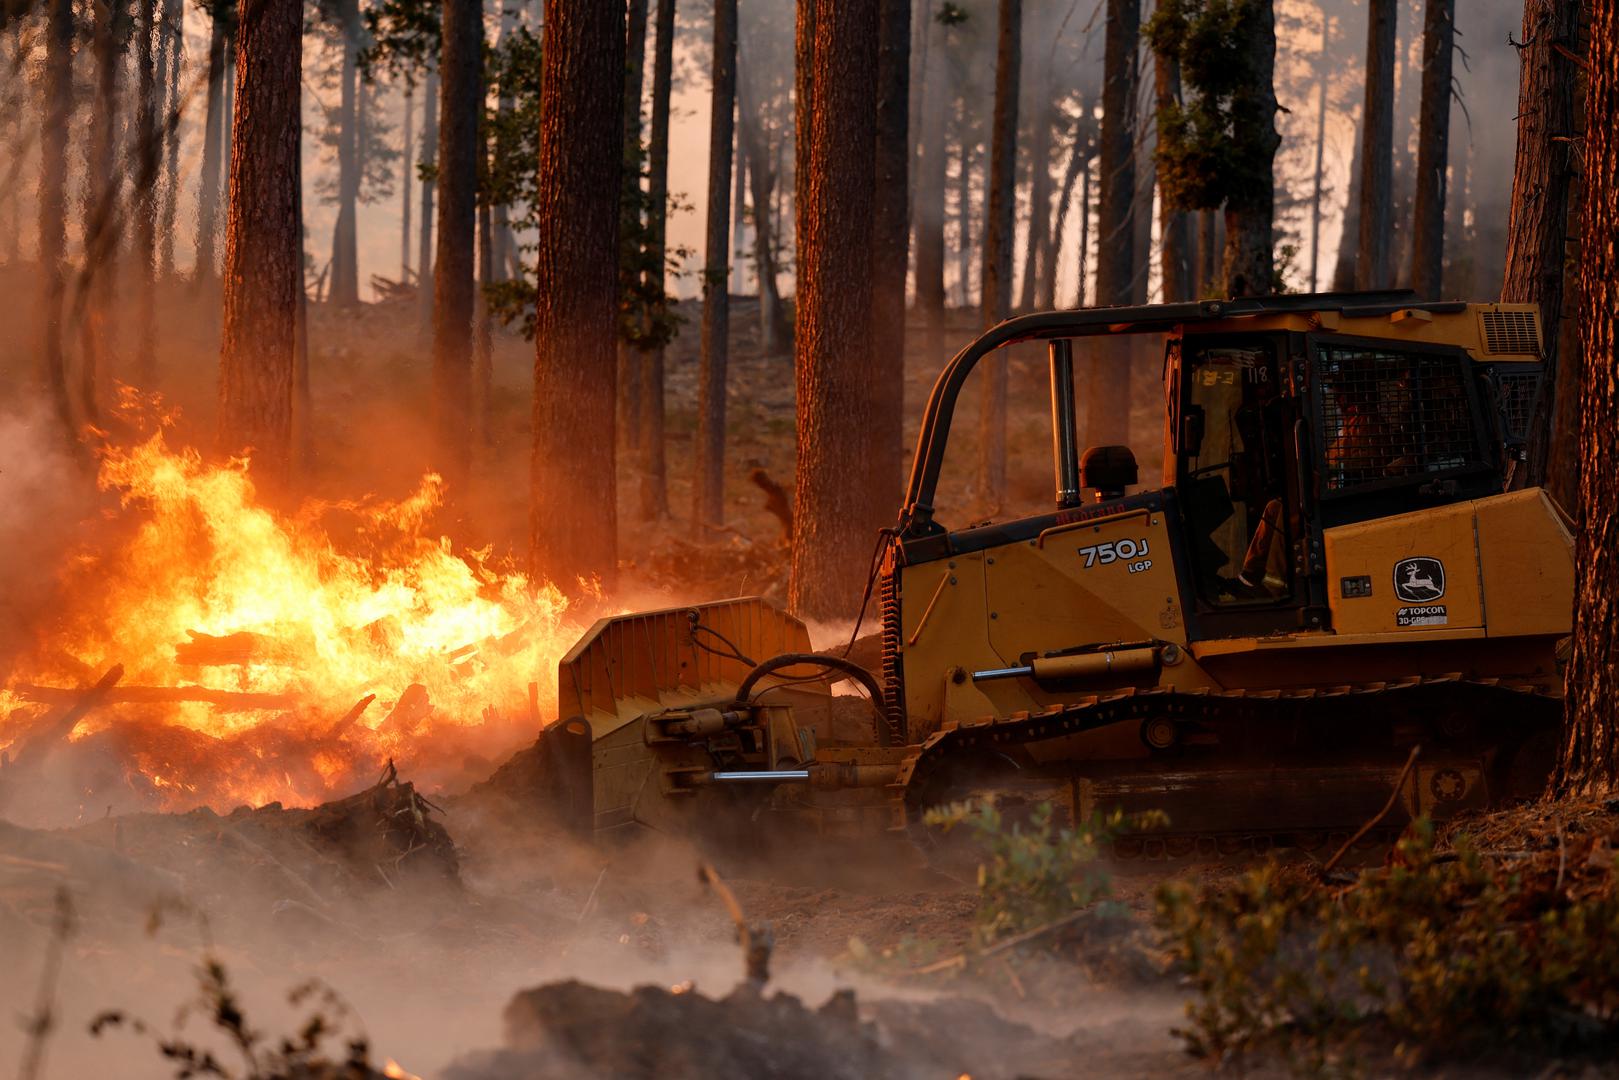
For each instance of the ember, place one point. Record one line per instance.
(280, 656)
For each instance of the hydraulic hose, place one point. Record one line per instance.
(744, 692)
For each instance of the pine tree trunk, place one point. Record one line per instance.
(1039, 182)
(215, 137)
(890, 249)
(1108, 404)
(1343, 273)
(454, 289)
(1208, 247)
(148, 158)
(173, 37)
(928, 212)
(762, 180)
(654, 485)
(345, 290)
(429, 156)
(739, 207)
(263, 240)
(708, 488)
(1589, 762)
(995, 299)
(630, 238)
(1321, 77)
(408, 177)
(1078, 162)
(1174, 226)
(1376, 222)
(965, 157)
(1546, 176)
(98, 273)
(1433, 150)
(574, 487)
(1115, 262)
(1082, 272)
(837, 507)
(1249, 214)
(503, 247)
(483, 365)
(56, 111)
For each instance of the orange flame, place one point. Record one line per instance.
(204, 586)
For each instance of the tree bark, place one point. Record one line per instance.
(1107, 416)
(1174, 226)
(148, 158)
(429, 156)
(1376, 225)
(708, 488)
(654, 485)
(995, 299)
(1321, 78)
(928, 212)
(345, 287)
(574, 523)
(890, 249)
(56, 112)
(1545, 178)
(837, 507)
(1589, 762)
(460, 111)
(98, 277)
(1115, 262)
(1433, 150)
(762, 180)
(408, 169)
(263, 240)
(173, 16)
(630, 238)
(1039, 181)
(1249, 213)
(215, 135)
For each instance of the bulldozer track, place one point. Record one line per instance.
(923, 774)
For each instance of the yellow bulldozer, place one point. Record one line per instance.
(1338, 567)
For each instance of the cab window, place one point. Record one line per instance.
(1233, 472)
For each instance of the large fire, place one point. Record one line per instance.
(249, 639)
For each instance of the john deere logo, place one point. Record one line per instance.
(1420, 580)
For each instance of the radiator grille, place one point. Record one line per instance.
(1390, 415)
(1511, 332)
(893, 673)
(1516, 396)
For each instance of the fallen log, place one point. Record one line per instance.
(55, 731)
(238, 700)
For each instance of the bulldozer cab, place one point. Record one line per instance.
(1290, 423)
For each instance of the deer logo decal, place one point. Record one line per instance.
(1420, 580)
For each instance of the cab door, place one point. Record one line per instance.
(1237, 453)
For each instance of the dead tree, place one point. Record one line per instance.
(574, 508)
(995, 300)
(837, 506)
(708, 487)
(1589, 762)
(1433, 150)
(263, 239)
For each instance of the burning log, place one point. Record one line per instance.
(233, 700)
(55, 731)
(207, 650)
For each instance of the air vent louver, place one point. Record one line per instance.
(1513, 332)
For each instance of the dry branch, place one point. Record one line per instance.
(57, 730)
(162, 695)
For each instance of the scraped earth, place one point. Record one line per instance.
(470, 943)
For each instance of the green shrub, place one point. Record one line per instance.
(1446, 955)
(1034, 873)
